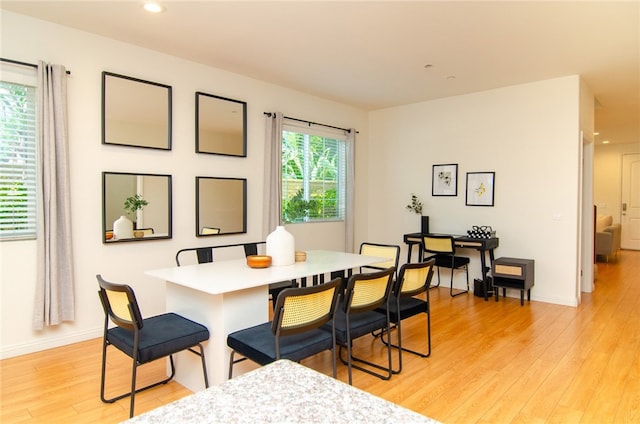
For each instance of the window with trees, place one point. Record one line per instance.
(313, 175)
(17, 161)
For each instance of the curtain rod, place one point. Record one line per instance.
(270, 114)
(17, 62)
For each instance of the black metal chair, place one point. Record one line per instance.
(442, 248)
(206, 254)
(144, 339)
(274, 288)
(389, 251)
(356, 317)
(413, 280)
(295, 332)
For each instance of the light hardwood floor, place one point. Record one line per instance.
(491, 363)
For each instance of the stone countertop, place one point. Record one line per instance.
(281, 392)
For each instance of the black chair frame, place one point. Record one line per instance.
(403, 305)
(375, 267)
(205, 254)
(349, 309)
(447, 259)
(278, 331)
(134, 326)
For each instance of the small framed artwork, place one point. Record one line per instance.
(444, 181)
(480, 188)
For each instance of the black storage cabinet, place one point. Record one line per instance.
(513, 273)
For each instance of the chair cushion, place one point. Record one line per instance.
(258, 343)
(409, 306)
(361, 323)
(160, 336)
(445, 261)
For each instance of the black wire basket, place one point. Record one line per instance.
(481, 232)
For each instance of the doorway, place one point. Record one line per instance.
(630, 207)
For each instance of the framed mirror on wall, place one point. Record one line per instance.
(135, 207)
(135, 112)
(221, 206)
(221, 125)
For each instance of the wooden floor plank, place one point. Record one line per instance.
(492, 362)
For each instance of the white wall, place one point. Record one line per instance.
(607, 163)
(86, 56)
(528, 134)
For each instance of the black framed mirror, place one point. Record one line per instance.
(221, 206)
(221, 125)
(144, 200)
(135, 112)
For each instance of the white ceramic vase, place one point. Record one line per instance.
(281, 247)
(123, 228)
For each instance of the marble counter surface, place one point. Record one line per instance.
(281, 392)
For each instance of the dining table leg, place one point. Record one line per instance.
(221, 314)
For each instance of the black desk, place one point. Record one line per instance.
(481, 245)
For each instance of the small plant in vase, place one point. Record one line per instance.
(416, 207)
(134, 203)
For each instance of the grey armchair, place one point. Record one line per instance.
(607, 237)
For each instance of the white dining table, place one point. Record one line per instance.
(226, 296)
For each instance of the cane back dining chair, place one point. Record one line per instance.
(413, 280)
(206, 231)
(146, 231)
(296, 330)
(356, 317)
(442, 248)
(144, 339)
(389, 251)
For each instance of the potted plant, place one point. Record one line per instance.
(416, 207)
(134, 203)
(297, 209)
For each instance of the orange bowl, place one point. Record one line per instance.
(108, 235)
(259, 261)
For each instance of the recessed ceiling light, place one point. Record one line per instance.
(596, 133)
(605, 141)
(153, 7)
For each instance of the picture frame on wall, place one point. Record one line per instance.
(480, 188)
(444, 180)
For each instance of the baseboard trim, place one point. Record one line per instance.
(19, 349)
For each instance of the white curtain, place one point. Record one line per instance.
(272, 215)
(350, 190)
(54, 299)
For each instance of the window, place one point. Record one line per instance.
(313, 175)
(17, 161)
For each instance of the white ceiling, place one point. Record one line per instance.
(372, 54)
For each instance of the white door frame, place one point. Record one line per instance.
(586, 219)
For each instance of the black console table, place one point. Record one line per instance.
(481, 245)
